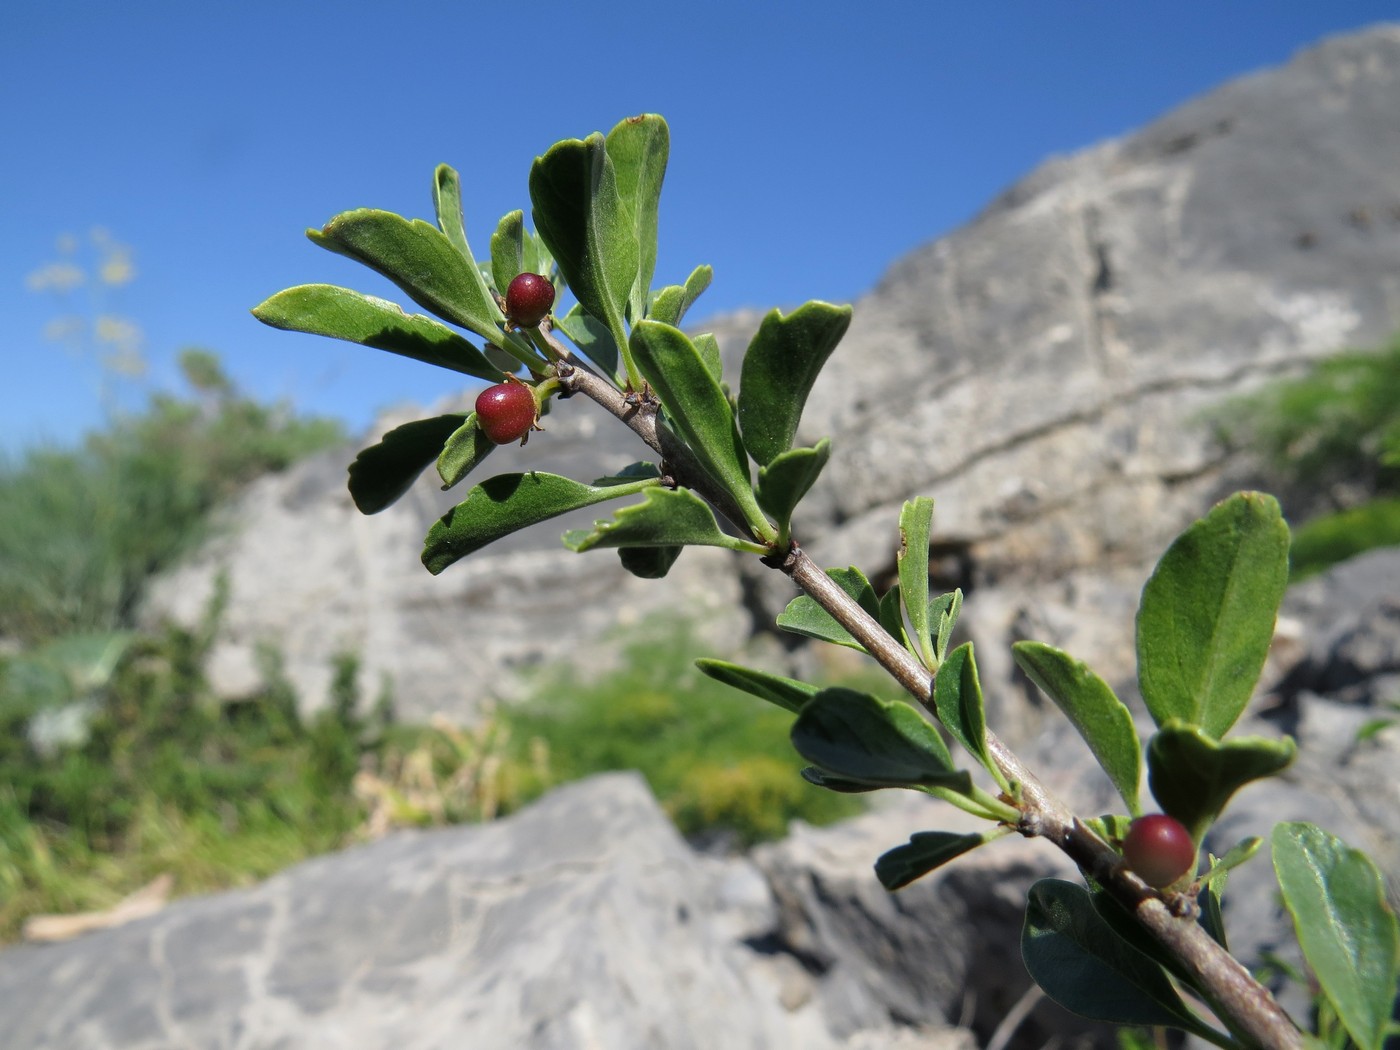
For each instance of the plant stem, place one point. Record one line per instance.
(1246, 1007)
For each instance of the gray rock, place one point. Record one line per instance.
(582, 922)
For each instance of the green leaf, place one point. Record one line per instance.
(1093, 709)
(783, 482)
(324, 309)
(892, 617)
(859, 737)
(447, 203)
(589, 229)
(420, 259)
(925, 851)
(1213, 882)
(638, 148)
(384, 472)
(507, 503)
(1347, 930)
(671, 303)
(591, 336)
(708, 348)
(915, 522)
(465, 448)
(805, 617)
(1192, 775)
(780, 366)
(1078, 961)
(787, 693)
(1208, 612)
(667, 518)
(699, 411)
(957, 697)
(648, 563)
(508, 250)
(823, 779)
(943, 615)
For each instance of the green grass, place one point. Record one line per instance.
(717, 759)
(1323, 542)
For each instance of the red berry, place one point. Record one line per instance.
(506, 412)
(528, 299)
(1159, 849)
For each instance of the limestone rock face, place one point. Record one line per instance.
(582, 922)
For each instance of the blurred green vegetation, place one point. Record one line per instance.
(719, 760)
(1329, 440)
(119, 764)
(166, 778)
(82, 529)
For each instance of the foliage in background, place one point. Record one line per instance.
(160, 776)
(718, 765)
(1330, 442)
(82, 529)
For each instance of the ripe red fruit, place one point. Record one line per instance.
(528, 299)
(506, 412)
(1159, 849)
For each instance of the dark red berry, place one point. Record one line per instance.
(1159, 849)
(528, 299)
(506, 412)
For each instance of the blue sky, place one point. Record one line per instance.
(812, 145)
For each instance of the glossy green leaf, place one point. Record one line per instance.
(1208, 612)
(591, 336)
(508, 250)
(780, 366)
(464, 449)
(667, 518)
(957, 698)
(1192, 775)
(649, 563)
(1347, 930)
(805, 617)
(638, 148)
(787, 693)
(420, 259)
(669, 306)
(324, 309)
(508, 503)
(1075, 957)
(588, 228)
(1093, 709)
(385, 471)
(925, 851)
(783, 482)
(859, 737)
(699, 412)
(943, 615)
(915, 522)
